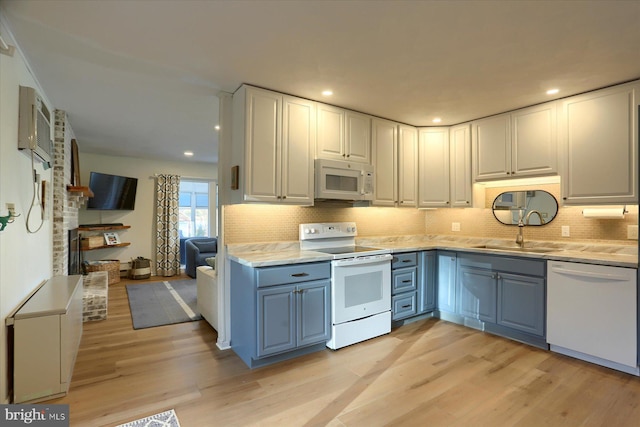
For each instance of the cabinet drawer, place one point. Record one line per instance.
(405, 279)
(404, 305)
(404, 260)
(269, 276)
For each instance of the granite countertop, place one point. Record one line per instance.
(270, 254)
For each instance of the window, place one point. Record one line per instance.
(197, 214)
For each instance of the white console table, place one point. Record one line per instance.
(207, 283)
(46, 334)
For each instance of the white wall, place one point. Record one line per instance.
(25, 259)
(142, 218)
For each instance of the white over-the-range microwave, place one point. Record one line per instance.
(342, 180)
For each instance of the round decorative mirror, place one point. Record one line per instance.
(534, 207)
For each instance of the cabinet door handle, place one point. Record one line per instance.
(406, 306)
(406, 281)
(298, 291)
(406, 260)
(299, 274)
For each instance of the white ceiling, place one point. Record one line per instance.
(139, 78)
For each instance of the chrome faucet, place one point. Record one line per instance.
(533, 211)
(521, 225)
(520, 236)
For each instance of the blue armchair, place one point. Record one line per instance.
(196, 251)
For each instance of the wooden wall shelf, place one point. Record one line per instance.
(86, 191)
(117, 245)
(103, 227)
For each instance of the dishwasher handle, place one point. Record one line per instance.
(603, 276)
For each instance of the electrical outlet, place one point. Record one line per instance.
(632, 232)
(11, 207)
(565, 231)
(455, 226)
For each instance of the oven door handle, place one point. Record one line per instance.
(376, 259)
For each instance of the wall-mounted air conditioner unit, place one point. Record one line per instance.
(34, 125)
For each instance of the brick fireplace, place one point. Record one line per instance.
(65, 203)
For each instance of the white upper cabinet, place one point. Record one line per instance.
(298, 142)
(460, 181)
(518, 144)
(407, 166)
(273, 136)
(599, 146)
(384, 148)
(343, 134)
(492, 148)
(534, 148)
(433, 167)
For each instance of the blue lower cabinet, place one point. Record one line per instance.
(276, 320)
(292, 316)
(521, 303)
(313, 313)
(477, 293)
(447, 295)
(405, 277)
(503, 295)
(404, 305)
(427, 282)
(276, 314)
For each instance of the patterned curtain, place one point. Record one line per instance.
(167, 236)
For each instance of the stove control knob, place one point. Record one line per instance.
(307, 231)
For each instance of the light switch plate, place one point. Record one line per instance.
(632, 232)
(565, 231)
(455, 226)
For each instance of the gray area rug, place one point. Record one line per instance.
(164, 419)
(163, 303)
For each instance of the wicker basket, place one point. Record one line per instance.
(111, 266)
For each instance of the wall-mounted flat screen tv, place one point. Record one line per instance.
(112, 192)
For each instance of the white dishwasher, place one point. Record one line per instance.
(592, 313)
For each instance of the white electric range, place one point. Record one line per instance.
(360, 282)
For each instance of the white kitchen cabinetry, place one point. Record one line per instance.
(460, 181)
(492, 148)
(384, 149)
(534, 147)
(518, 144)
(343, 134)
(407, 166)
(274, 136)
(599, 140)
(433, 167)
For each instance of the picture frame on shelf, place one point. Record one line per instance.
(111, 238)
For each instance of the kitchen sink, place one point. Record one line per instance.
(535, 249)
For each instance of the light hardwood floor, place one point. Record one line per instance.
(427, 373)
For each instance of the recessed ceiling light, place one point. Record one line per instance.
(217, 127)
(552, 91)
(188, 153)
(327, 92)
(437, 120)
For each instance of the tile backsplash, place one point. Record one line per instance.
(478, 222)
(269, 223)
